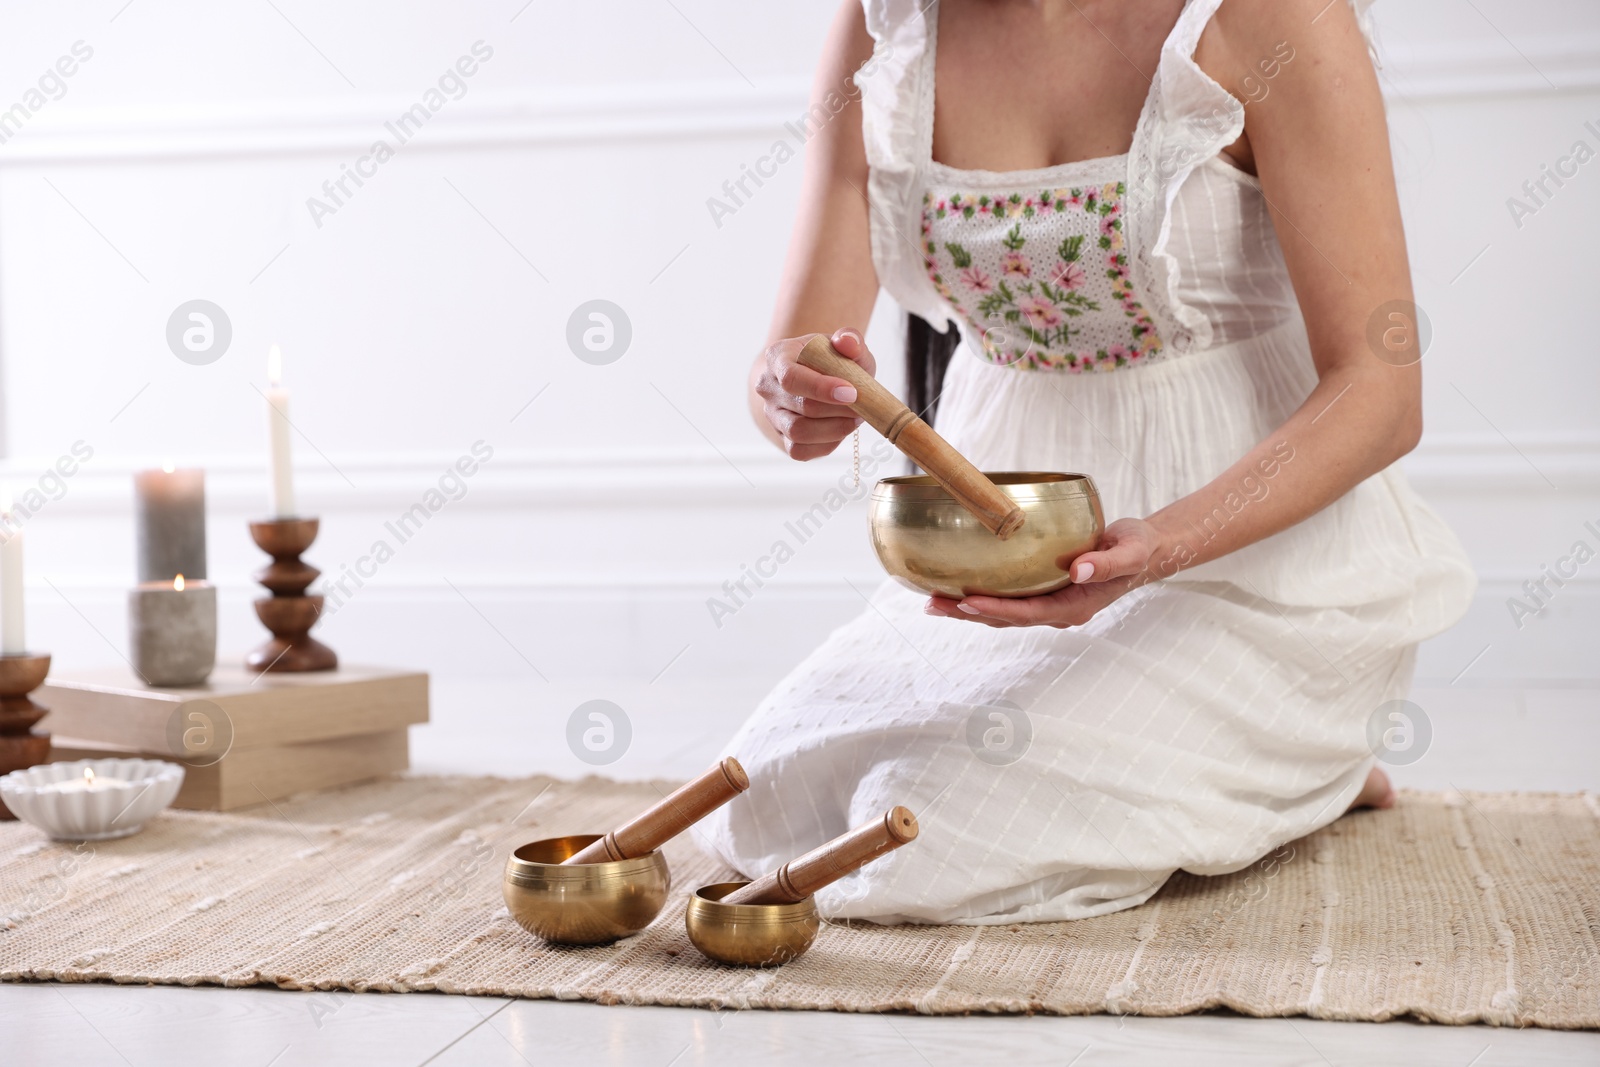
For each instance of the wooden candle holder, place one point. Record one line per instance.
(799, 879)
(903, 429)
(666, 820)
(289, 612)
(20, 744)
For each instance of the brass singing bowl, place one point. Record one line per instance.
(749, 935)
(584, 903)
(928, 541)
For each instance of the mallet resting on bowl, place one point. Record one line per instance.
(903, 429)
(799, 879)
(666, 820)
(587, 890)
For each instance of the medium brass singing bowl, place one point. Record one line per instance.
(928, 541)
(749, 935)
(584, 903)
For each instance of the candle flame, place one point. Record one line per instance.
(168, 467)
(88, 776)
(274, 366)
(177, 583)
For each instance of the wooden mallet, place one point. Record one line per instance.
(666, 820)
(800, 878)
(903, 429)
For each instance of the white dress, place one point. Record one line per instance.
(1197, 723)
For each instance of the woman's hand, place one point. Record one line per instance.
(1121, 562)
(806, 408)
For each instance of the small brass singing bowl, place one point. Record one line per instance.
(749, 935)
(927, 541)
(584, 903)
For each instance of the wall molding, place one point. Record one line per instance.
(697, 476)
(586, 114)
(1449, 463)
(1490, 67)
(564, 115)
(538, 587)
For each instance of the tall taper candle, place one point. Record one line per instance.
(278, 434)
(170, 524)
(13, 639)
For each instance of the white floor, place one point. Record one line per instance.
(97, 1026)
(1537, 737)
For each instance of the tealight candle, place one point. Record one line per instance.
(91, 800)
(89, 783)
(172, 628)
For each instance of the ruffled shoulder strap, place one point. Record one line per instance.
(896, 85)
(891, 81)
(1187, 119)
(1363, 10)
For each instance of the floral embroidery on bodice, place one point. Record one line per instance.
(1040, 275)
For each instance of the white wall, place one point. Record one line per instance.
(430, 308)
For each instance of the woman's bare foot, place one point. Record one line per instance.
(1377, 793)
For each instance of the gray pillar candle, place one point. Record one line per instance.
(170, 524)
(172, 627)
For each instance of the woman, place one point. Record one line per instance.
(1169, 236)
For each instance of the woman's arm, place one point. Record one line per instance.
(1320, 146)
(829, 284)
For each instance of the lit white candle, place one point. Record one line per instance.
(13, 639)
(278, 435)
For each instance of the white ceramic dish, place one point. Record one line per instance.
(126, 793)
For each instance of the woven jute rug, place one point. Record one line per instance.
(1456, 908)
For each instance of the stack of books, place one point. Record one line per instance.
(244, 738)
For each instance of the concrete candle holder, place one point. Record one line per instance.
(172, 627)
